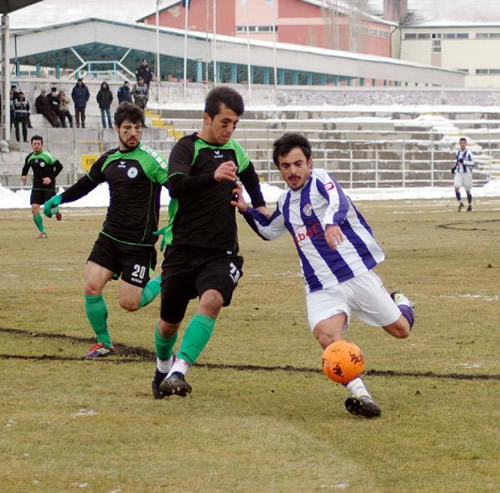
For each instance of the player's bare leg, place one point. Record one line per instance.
(360, 402)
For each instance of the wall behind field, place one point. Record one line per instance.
(172, 93)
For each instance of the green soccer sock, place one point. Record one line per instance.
(150, 291)
(97, 313)
(164, 347)
(39, 222)
(196, 337)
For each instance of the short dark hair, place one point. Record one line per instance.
(462, 139)
(289, 141)
(128, 111)
(54, 89)
(36, 137)
(223, 94)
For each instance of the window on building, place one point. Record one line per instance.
(436, 46)
(487, 35)
(488, 71)
(410, 35)
(255, 29)
(423, 36)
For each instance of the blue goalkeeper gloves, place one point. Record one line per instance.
(52, 203)
(163, 233)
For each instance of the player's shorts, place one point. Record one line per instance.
(462, 180)
(365, 295)
(188, 272)
(41, 195)
(130, 262)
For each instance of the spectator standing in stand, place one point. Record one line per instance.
(21, 116)
(80, 95)
(104, 99)
(143, 72)
(124, 93)
(140, 94)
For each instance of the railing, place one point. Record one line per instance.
(358, 153)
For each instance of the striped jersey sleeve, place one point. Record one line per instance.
(306, 213)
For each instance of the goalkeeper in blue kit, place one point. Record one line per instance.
(125, 246)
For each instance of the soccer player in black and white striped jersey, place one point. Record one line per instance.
(464, 161)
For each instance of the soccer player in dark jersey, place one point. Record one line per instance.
(125, 247)
(201, 259)
(45, 169)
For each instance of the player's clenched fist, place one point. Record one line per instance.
(226, 171)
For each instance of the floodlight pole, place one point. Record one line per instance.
(186, 24)
(6, 77)
(158, 77)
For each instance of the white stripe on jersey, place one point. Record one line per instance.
(468, 158)
(305, 214)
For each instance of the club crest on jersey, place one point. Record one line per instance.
(132, 172)
(41, 163)
(307, 210)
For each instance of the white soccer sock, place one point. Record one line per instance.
(164, 366)
(179, 366)
(357, 388)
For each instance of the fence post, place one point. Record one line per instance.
(403, 181)
(433, 170)
(490, 152)
(268, 156)
(376, 164)
(351, 177)
(75, 173)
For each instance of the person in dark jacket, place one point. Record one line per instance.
(14, 94)
(43, 107)
(104, 100)
(55, 104)
(144, 72)
(80, 95)
(124, 93)
(21, 116)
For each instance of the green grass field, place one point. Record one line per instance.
(262, 417)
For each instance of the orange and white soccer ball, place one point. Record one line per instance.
(343, 362)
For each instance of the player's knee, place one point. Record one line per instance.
(325, 339)
(130, 305)
(211, 302)
(91, 289)
(400, 329)
(167, 330)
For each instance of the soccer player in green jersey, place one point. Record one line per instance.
(125, 246)
(202, 256)
(45, 169)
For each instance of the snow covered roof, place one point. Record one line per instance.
(446, 12)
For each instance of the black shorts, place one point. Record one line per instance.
(41, 195)
(188, 272)
(129, 261)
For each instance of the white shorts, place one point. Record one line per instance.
(365, 295)
(463, 180)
